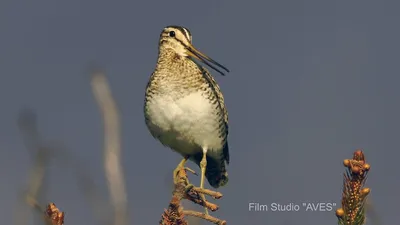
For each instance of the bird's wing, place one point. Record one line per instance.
(221, 102)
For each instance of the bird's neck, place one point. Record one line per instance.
(167, 55)
(170, 61)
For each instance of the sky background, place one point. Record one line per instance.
(310, 82)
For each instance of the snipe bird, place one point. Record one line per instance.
(184, 107)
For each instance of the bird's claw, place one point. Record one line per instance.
(190, 170)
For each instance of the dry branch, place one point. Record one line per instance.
(41, 152)
(204, 216)
(27, 123)
(112, 151)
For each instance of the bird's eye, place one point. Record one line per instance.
(172, 33)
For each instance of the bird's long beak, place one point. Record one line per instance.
(192, 51)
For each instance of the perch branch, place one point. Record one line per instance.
(214, 194)
(194, 196)
(175, 214)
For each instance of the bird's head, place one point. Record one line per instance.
(179, 39)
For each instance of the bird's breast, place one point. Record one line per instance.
(191, 118)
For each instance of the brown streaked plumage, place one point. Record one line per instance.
(184, 107)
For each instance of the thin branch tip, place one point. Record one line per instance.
(354, 194)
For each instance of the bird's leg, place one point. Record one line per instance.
(203, 165)
(178, 168)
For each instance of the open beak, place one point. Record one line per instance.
(192, 51)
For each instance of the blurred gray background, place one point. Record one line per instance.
(310, 82)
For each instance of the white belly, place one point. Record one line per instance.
(186, 125)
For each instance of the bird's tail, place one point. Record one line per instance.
(216, 173)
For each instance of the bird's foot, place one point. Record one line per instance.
(180, 172)
(178, 175)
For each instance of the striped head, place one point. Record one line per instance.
(179, 39)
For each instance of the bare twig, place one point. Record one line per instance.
(27, 122)
(194, 196)
(31, 138)
(41, 152)
(112, 164)
(192, 220)
(204, 216)
(214, 194)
